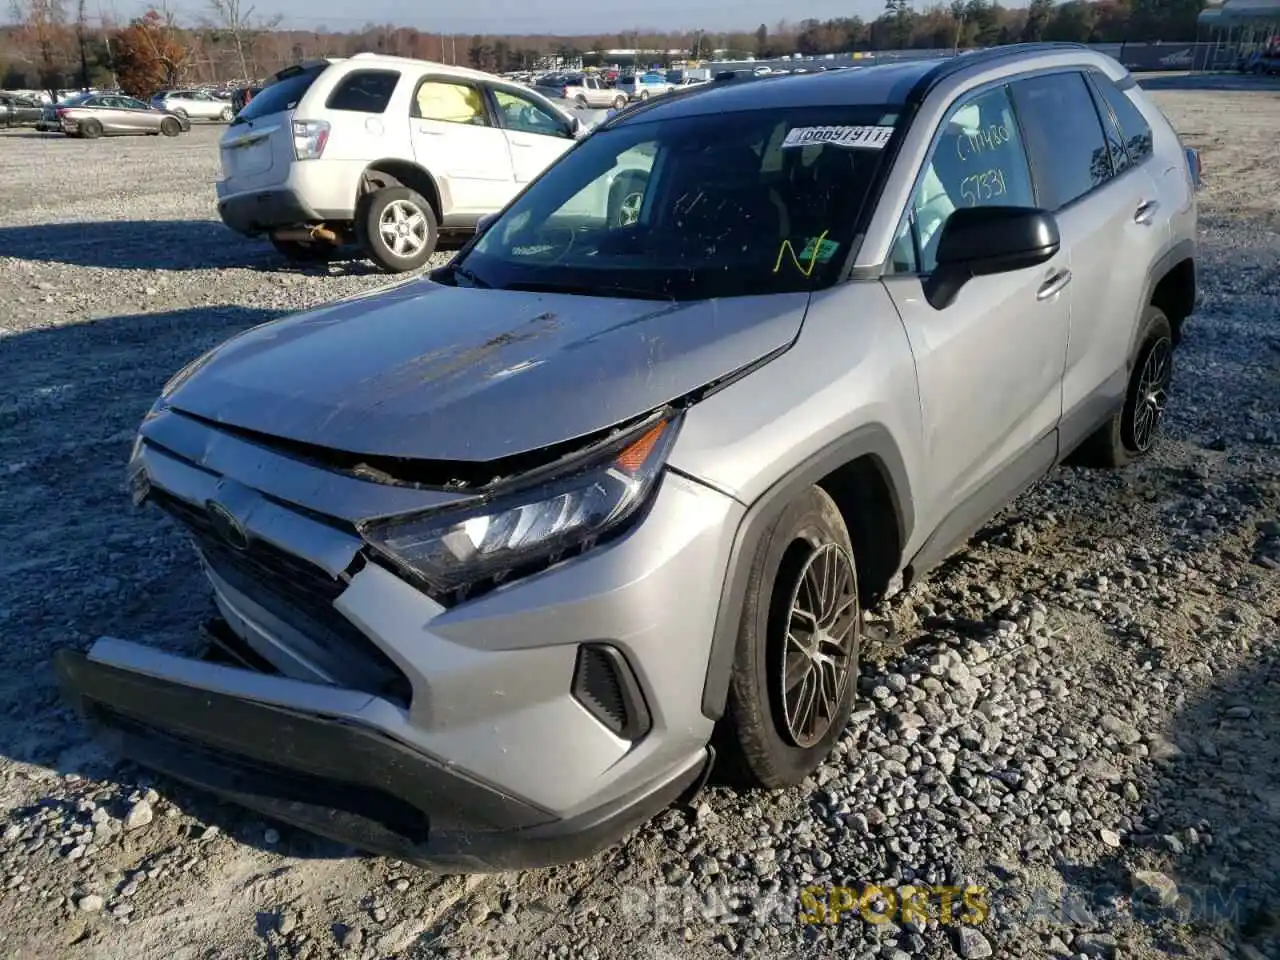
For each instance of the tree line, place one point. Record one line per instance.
(56, 45)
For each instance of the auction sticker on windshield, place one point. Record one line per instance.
(861, 137)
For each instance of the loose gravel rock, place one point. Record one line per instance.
(1078, 726)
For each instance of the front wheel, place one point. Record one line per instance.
(170, 127)
(796, 665)
(619, 102)
(397, 228)
(1132, 431)
(226, 115)
(644, 94)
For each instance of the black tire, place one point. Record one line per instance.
(179, 112)
(621, 192)
(644, 94)
(753, 740)
(90, 129)
(369, 214)
(303, 251)
(619, 102)
(581, 100)
(227, 115)
(1123, 439)
(170, 126)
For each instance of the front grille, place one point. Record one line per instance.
(297, 593)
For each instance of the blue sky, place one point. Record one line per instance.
(539, 16)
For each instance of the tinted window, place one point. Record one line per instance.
(282, 95)
(1064, 137)
(525, 115)
(978, 161)
(450, 103)
(364, 91)
(745, 202)
(1133, 125)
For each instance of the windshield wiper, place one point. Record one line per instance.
(588, 290)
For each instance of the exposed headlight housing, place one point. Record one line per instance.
(453, 551)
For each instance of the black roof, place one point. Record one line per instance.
(891, 84)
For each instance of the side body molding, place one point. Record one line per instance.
(870, 440)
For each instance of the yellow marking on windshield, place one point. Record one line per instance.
(813, 257)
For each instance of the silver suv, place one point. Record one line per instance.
(504, 557)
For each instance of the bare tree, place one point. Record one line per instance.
(244, 28)
(82, 42)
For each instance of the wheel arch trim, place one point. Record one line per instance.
(871, 440)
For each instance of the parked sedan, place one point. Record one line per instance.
(95, 115)
(16, 110)
(195, 104)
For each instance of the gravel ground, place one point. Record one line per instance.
(1082, 719)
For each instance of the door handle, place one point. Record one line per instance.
(1146, 212)
(430, 133)
(1054, 285)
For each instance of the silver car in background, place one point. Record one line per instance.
(95, 115)
(194, 104)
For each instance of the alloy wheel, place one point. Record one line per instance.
(403, 228)
(629, 209)
(818, 654)
(1152, 394)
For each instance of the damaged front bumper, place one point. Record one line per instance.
(315, 757)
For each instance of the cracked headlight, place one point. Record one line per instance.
(538, 524)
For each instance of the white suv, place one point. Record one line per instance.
(385, 151)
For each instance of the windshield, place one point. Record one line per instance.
(282, 95)
(764, 201)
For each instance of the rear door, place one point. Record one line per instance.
(536, 133)
(456, 138)
(1099, 198)
(257, 148)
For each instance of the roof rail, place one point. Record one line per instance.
(953, 65)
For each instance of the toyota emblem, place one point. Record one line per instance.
(226, 526)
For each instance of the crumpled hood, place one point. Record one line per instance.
(428, 371)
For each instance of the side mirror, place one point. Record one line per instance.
(980, 241)
(578, 129)
(485, 222)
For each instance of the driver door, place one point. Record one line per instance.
(991, 363)
(536, 134)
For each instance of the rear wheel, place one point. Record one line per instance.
(170, 126)
(90, 129)
(580, 100)
(644, 94)
(619, 102)
(796, 665)
(1132, 431)
(397, 228)
(227, 114)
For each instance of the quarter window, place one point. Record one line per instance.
(450, 103)
(1064, 137)
(1133, 125)
(364, 91)
(977, 161)
(522, 114)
